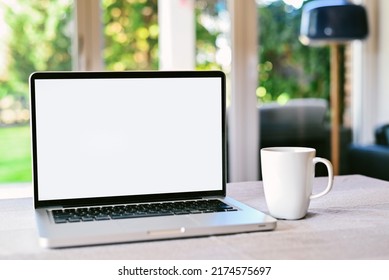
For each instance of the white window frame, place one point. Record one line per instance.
(366, 79)
(88, 42)
(177, 40)
(243, 122)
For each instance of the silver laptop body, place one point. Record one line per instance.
(124, 140)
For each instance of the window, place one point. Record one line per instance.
(288, 69)
(41, 35)
(130, 35)
(213, 46)
(36, 36)
(44, 35)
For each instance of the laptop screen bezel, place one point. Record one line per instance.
(38, 203)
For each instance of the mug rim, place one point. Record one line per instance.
(291, 149)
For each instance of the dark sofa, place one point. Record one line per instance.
(299, 122)
(372, 160)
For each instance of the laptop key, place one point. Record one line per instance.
(87, 219)
(60, 221)
(102, 217)
(181, 213)
(143, 215)
(121, 216)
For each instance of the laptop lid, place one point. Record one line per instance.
(119, 137)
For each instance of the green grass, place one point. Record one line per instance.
(15, 154)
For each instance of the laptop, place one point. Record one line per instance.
(132, 156)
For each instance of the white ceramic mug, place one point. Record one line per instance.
(287, 174)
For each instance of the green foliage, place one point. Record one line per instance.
(39, 40)
(288, 69)
(206, 46)
(131, 34)
(15, 159)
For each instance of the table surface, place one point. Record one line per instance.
(351, 222)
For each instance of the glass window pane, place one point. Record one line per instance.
(130, 34)
(213, 46)
(36, 36)
(288, 69)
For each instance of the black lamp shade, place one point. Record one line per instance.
(327, 21)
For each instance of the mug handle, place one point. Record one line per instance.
(328, 164)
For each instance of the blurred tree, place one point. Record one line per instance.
(131, 34)
(39, 40)
(287, 68)
(207, 32)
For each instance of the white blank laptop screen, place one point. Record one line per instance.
(114, 137)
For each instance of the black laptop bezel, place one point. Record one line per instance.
(114, 75)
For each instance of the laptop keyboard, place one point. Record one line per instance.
(86, 214)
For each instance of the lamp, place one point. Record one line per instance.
(333, 22)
